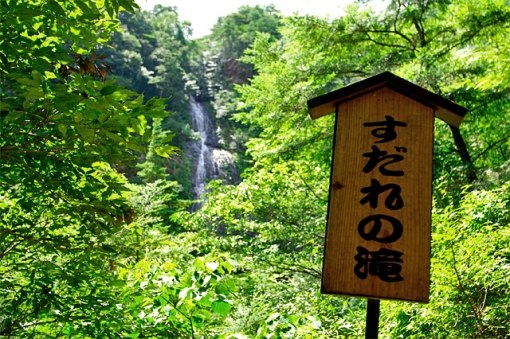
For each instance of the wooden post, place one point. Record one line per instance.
(372, 327)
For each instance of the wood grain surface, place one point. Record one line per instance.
(353, 140)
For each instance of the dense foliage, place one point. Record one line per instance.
(275, 218)
(71, 258)
(87, 253)
(220, 68)
(153, 54)
(150, 55)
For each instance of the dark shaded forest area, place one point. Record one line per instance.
(98, 157)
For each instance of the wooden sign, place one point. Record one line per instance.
(379, 214)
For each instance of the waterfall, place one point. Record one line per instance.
(201, 123)
(210, 162)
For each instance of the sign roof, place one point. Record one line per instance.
(444, 109)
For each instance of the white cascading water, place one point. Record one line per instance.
(212, 162)
(202, 124)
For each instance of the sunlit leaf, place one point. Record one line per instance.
(221, 307)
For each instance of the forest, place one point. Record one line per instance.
(104, 233)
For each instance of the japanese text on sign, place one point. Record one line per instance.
(384, 263)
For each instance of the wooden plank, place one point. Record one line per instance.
(414, 143)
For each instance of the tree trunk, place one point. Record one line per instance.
(464, 154)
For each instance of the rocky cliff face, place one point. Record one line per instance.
(210, 162)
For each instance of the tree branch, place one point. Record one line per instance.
(42, 242)
(507, 136)
(463, 291)
(398, 32)
(369, 38)
(301, 269)
(311, 190)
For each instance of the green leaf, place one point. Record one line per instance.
(4, 106)
(109, 90)
(227, 265)
(293, 319)
(143, 122)
(156, 113)
(221, 307)
(155, 102)
(14, 115)
(128, 5)
(57, 8)
(222, 289)
(113, 136)
(86, 133)
(198, 320)
(62, 128)
(205, 300)
(109, 8)
(27, 81)
(78, 116)
(168, 138)
(135, 147)
(136, 125)
(91, 103)
(147, 135)
(103, 117)
(84, 8)
(117, 283)
(27, 13)
(162, 301)
(139, 299)
(205, 313)
(38, 77)
(32, 93)
(166, 151)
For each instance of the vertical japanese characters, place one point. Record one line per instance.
(384, 263)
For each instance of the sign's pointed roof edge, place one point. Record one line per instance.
(445, 109)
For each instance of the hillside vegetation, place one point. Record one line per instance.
(96, 236)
